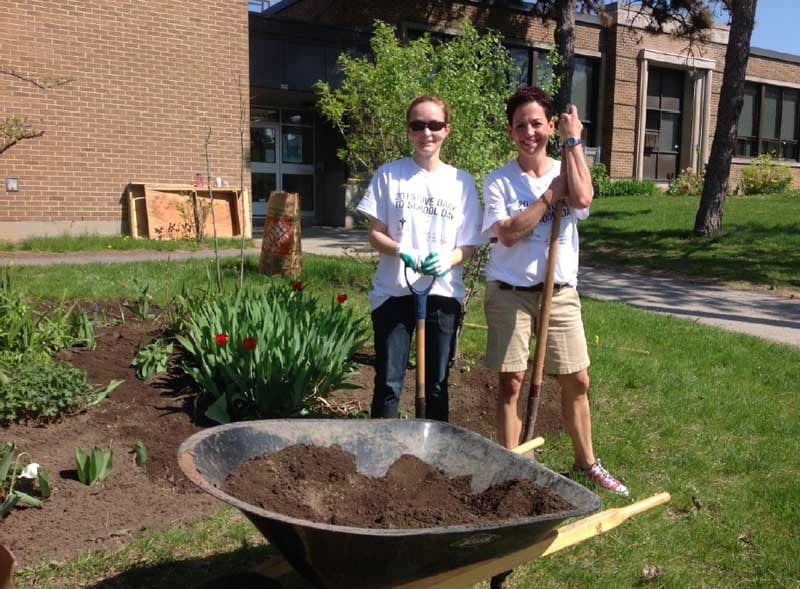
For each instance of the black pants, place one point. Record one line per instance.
(394, 323)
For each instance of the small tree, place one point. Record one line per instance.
(15, 128)
(472, 73)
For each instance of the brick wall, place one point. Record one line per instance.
(148, 78)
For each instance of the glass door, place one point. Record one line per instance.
(264, 162)
(662, 135)
(281, 158)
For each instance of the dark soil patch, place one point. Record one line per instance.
(322, 485)
(160, 413)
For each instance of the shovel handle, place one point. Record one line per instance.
(420, 312)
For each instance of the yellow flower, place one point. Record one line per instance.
(597, 340)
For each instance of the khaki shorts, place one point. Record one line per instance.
(510, 315)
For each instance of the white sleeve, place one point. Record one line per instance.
(470, 231)
(494, 205)
(374, 202)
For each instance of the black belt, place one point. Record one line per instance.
(535, 288)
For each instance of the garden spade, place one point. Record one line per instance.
(420, 312)
(542, 323)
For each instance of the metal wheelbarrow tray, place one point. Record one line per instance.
(332, 556)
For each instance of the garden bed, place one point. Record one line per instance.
(160, 412)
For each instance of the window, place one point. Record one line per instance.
(585, 77)
(768, 122)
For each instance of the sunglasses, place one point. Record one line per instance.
(432, 125)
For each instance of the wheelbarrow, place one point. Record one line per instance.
(339, 557)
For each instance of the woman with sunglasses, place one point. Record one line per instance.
(424, 215)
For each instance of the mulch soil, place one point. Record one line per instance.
(322, 485)
(161, 413)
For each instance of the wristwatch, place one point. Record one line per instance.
(571, 142)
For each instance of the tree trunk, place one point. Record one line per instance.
(565, 44)
(708, 221)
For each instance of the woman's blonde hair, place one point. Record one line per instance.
(429, 98)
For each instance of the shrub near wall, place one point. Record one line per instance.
(764, 175)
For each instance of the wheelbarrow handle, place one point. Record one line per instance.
(556, 540)
(420, 312)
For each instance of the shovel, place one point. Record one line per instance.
(542, 324)
(421, 312)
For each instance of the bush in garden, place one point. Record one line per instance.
(687, 183)
(599, 178)
(34, 386)
(24, 328)
(269, 352)
(764, 175)
(630, 188)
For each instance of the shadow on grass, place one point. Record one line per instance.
(750, 252)
(231, 570)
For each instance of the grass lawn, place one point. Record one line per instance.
(707, 415)
(78, 243)
(760, 244)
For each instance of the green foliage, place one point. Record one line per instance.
(93, 466)
(23, 328)
(269, 352)
(152, 359)
(141, 308)
(765, 175)
(141, 453)
(102, 393)
(687, 183)
(629, 187)
(599, 178)
(10, 467)
(472, 73)
(41, 388)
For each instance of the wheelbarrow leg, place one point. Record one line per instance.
(498, 580)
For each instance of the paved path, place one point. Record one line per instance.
(757, 312)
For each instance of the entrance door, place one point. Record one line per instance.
(662, 136)
(281, 158)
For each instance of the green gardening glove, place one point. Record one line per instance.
(411, 257)
(436, 264)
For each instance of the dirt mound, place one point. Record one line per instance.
(322, 485)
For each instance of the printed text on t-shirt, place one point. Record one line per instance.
(428, 205)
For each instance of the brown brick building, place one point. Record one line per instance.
(149, 80)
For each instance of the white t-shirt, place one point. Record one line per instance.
(507, 191)
(428, 211)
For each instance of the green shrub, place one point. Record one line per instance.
(599, 178)
(764, 175)
(152, 359)
(23, 328)
(93, 466)
(688, 183)
(269, 352)
(629, 188)
(34, 386)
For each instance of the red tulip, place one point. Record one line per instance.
(297, 285)
(249, 343)
(341, 297)
(221, 339)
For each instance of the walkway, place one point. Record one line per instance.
(757, 312)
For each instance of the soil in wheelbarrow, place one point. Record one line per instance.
(322, 485)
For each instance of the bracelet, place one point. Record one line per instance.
(397, 251)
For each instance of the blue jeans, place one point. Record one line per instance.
(394, 323)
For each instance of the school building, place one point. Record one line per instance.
(146, 89)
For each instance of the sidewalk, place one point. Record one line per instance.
(757, 312)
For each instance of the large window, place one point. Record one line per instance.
(768, 122)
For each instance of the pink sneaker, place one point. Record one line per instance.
(602, 477)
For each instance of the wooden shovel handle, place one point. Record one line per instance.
(542, 324)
